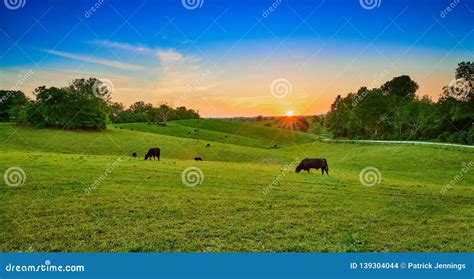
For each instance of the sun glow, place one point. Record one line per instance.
(289, 113)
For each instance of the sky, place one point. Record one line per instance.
(234, 58)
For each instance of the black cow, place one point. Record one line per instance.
(134, 154)
(208, 145)
(198, 158)
(153, 152)
(313, 163)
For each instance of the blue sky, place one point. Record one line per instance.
(222, 56)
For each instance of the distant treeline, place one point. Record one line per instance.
(394, 112)
(84, 104)
(141, 112)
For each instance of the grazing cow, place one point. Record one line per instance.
(313, 163)
(198, 158)
(153, 152)
(208, 145)
(134, 154)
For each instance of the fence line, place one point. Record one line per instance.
(404, 142)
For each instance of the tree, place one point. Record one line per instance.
(402, 88)
(116, 112)
(141, 112)
(72, 107)
(164, 113)
(10, 102)
(394, 112)
(370, 111)
(462, 87)
(184, 113)
(318, 122)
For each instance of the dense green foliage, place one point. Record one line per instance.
(10, 104)
(76, 106)
(141, 112)
(393, 111)
(144, 206)
(84, 104)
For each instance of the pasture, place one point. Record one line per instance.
(144, 205)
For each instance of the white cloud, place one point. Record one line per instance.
(163, 54)
(135, 48)
(169, 55)
(97, 60)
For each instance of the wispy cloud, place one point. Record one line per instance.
(169, 55)
(97, 60)
(177, 72)
(125, 46)
(163, 54)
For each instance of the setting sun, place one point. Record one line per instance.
(289, 113)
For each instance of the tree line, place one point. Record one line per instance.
(83, 104)
(394, 111)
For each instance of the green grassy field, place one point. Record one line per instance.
(84, 192)
(237, 133)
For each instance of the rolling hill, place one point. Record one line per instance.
(237, 133)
